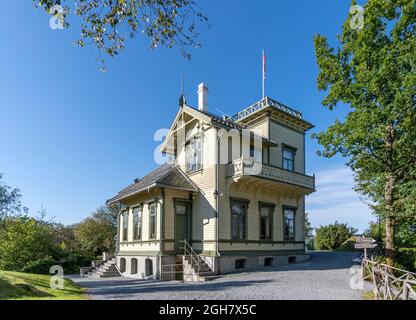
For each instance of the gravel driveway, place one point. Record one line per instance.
(325, 276)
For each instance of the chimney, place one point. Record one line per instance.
(203, 97)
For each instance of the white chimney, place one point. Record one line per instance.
(203, 97)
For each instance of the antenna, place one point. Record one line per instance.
(263, 73)
(182, 100)
(183, 86)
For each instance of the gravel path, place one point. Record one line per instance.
(326, 276)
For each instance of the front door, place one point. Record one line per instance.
(182, 228)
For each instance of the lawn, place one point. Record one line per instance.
(28, 286)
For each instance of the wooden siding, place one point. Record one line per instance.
(145, 244)
(256, 195)
(170, 196)
(204, 203)
(284, 135)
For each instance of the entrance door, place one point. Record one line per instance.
(182, 228)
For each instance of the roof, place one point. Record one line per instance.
(268, 103)
(167, 175)
(228, 122)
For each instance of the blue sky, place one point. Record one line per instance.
(73, 136)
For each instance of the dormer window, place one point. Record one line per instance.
(288, 159)
(193, 153)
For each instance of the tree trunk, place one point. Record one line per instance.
(389, 198)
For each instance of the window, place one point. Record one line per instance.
(288, 159)
(193, 154)
(266, 222)
(252, 150)
(268, 262)
(181, 209)
(240, 263)
(123, 265)
(289, 224)
(238, 219)
(149, 267)
(137, 223)
(291, 260)
(134, 266)
(125, 225)
(152, 221)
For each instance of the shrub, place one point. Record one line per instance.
(24, 240)
(40, 266)
(333, 236)
(406, 257)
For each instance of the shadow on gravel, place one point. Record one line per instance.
(138, 287)
(318, 261)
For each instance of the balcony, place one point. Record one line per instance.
(242, 167)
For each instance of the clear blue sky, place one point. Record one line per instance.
(71, 136)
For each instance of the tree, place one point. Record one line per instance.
(107, 24)
(308, 233)
(308, 227)
(332, 236)
(95, 234)
(10, 200)
(24, 240)
(372, 70)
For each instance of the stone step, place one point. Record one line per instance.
(210, 277)
(108, 268)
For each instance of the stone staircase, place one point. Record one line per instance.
(107, 270)
(198, 272)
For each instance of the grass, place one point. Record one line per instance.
(369, 295)
(28, 286)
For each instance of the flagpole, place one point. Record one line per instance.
(263, 72)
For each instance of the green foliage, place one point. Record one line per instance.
(24, 240)
(406, 258)
(40, 266)
(70, 264)
(34, 245)
(10, 200)
(332, 236)
(96, 233)
(348, 245)
(373, 71)
(107, 24)
(375, 230)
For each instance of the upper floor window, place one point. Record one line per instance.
(289, 224)
(288, 159)
(137, 223)
(125, 225)
(266, 222)
(193, 154)
(238, 219)
(152, 221)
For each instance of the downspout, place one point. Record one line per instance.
(217, 198)
(162, 234)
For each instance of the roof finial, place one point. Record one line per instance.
(182, 100)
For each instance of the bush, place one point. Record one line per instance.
(39, 266)
(333, 236)
(74, 261)
(406, 257)
(70, 264)
(24, 240)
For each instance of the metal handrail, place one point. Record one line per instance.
(266, 102)
(195, 259)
